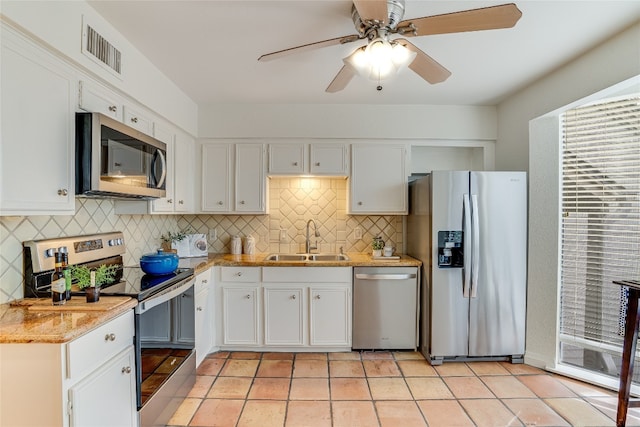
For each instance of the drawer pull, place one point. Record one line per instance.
(110, 337)
(317, 296)
(248, 296)
(239, 273)
(317, 163)
(134, 119)
(199, 309)
(293, 296)
(220, 202)
(63, 192)
(205, 281)
(126, 369)
(113, 108)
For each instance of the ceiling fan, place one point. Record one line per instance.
(377, 20)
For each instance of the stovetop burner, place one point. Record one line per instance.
(137, 284)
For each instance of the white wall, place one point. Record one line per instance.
(537, 149)
(445, 122)
(58, 24)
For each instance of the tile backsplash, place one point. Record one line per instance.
(292, 202)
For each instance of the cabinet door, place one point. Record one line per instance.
(378, 183)
(287, 159)
(203, 316)
(137, 120)
(283, 316)
(37, 133)
(250, 178)
(183, 173)
(97, 99)
(240, 311)
(106, 397)
(328, 159)
(330, 316)
(216, 175)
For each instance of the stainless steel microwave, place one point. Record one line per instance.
(115, 160)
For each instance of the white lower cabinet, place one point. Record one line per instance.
(90, 381)
(284, 310)
(330, 315)
(203, 316)
(109, 383)
(301, 308)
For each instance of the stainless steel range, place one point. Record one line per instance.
(164, 317)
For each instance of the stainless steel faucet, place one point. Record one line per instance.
(308, 248)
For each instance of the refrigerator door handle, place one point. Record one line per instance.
(476, 245)
(467, 245)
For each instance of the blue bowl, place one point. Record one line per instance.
(159, 263)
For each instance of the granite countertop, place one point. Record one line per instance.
(20, 324)
(258, 260)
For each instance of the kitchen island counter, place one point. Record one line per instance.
(21, 324)
(356, 259)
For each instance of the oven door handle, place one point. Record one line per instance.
(165, 295)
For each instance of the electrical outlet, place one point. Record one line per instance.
(283, 236)
(213, 234)
(357, 233)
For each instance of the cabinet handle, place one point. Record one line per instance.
(239, 273)
(181, 202)
(293, 296)
(242, 202)
(317, 163)
(220, 202)
(295, 163)
(248, 296)
(199, 309)
(317, 296)
(113, 108)
(170, 201)
(359, 203)
(126, 369)
(110, 337)
(63, 192)
(205, 281)
(134, 119)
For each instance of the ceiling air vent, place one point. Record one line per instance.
(98, 48)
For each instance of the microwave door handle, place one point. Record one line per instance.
(164, 169)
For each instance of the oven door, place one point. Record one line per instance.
(165, 351)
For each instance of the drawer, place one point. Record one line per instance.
(307, 274)
(202, 281)
(94, 348)
(240, 274)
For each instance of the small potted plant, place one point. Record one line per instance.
(170, 237)
(376, 245)
(92, 279)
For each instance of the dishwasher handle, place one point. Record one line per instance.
(406, 276)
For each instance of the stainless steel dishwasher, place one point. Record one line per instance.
(385, 308)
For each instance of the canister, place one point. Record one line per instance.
(236, 245)
(249, 245)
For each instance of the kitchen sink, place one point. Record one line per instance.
(306, 257)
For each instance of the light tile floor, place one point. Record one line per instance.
(385, 389)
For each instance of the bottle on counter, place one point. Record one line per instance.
(58, 287)
(66, 272)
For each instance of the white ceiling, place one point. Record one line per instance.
(209, 48)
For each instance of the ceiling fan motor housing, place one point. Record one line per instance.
(395, 13)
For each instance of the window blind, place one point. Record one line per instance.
(600, 226)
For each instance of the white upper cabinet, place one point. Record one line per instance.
(233, 178)
(329, 159)
(287, 159)
(379, 177)
(308, 159)
(98, 99)
(38, 130)
(179, 181)
(138, 120)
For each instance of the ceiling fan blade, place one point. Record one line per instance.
(486, 18)
(341, 80)
(424, 65)
(310, 46)
(372, 10)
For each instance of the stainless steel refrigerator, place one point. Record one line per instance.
(470, 231)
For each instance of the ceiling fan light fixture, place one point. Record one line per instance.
(379, 59)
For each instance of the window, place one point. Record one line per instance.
(600, 229)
